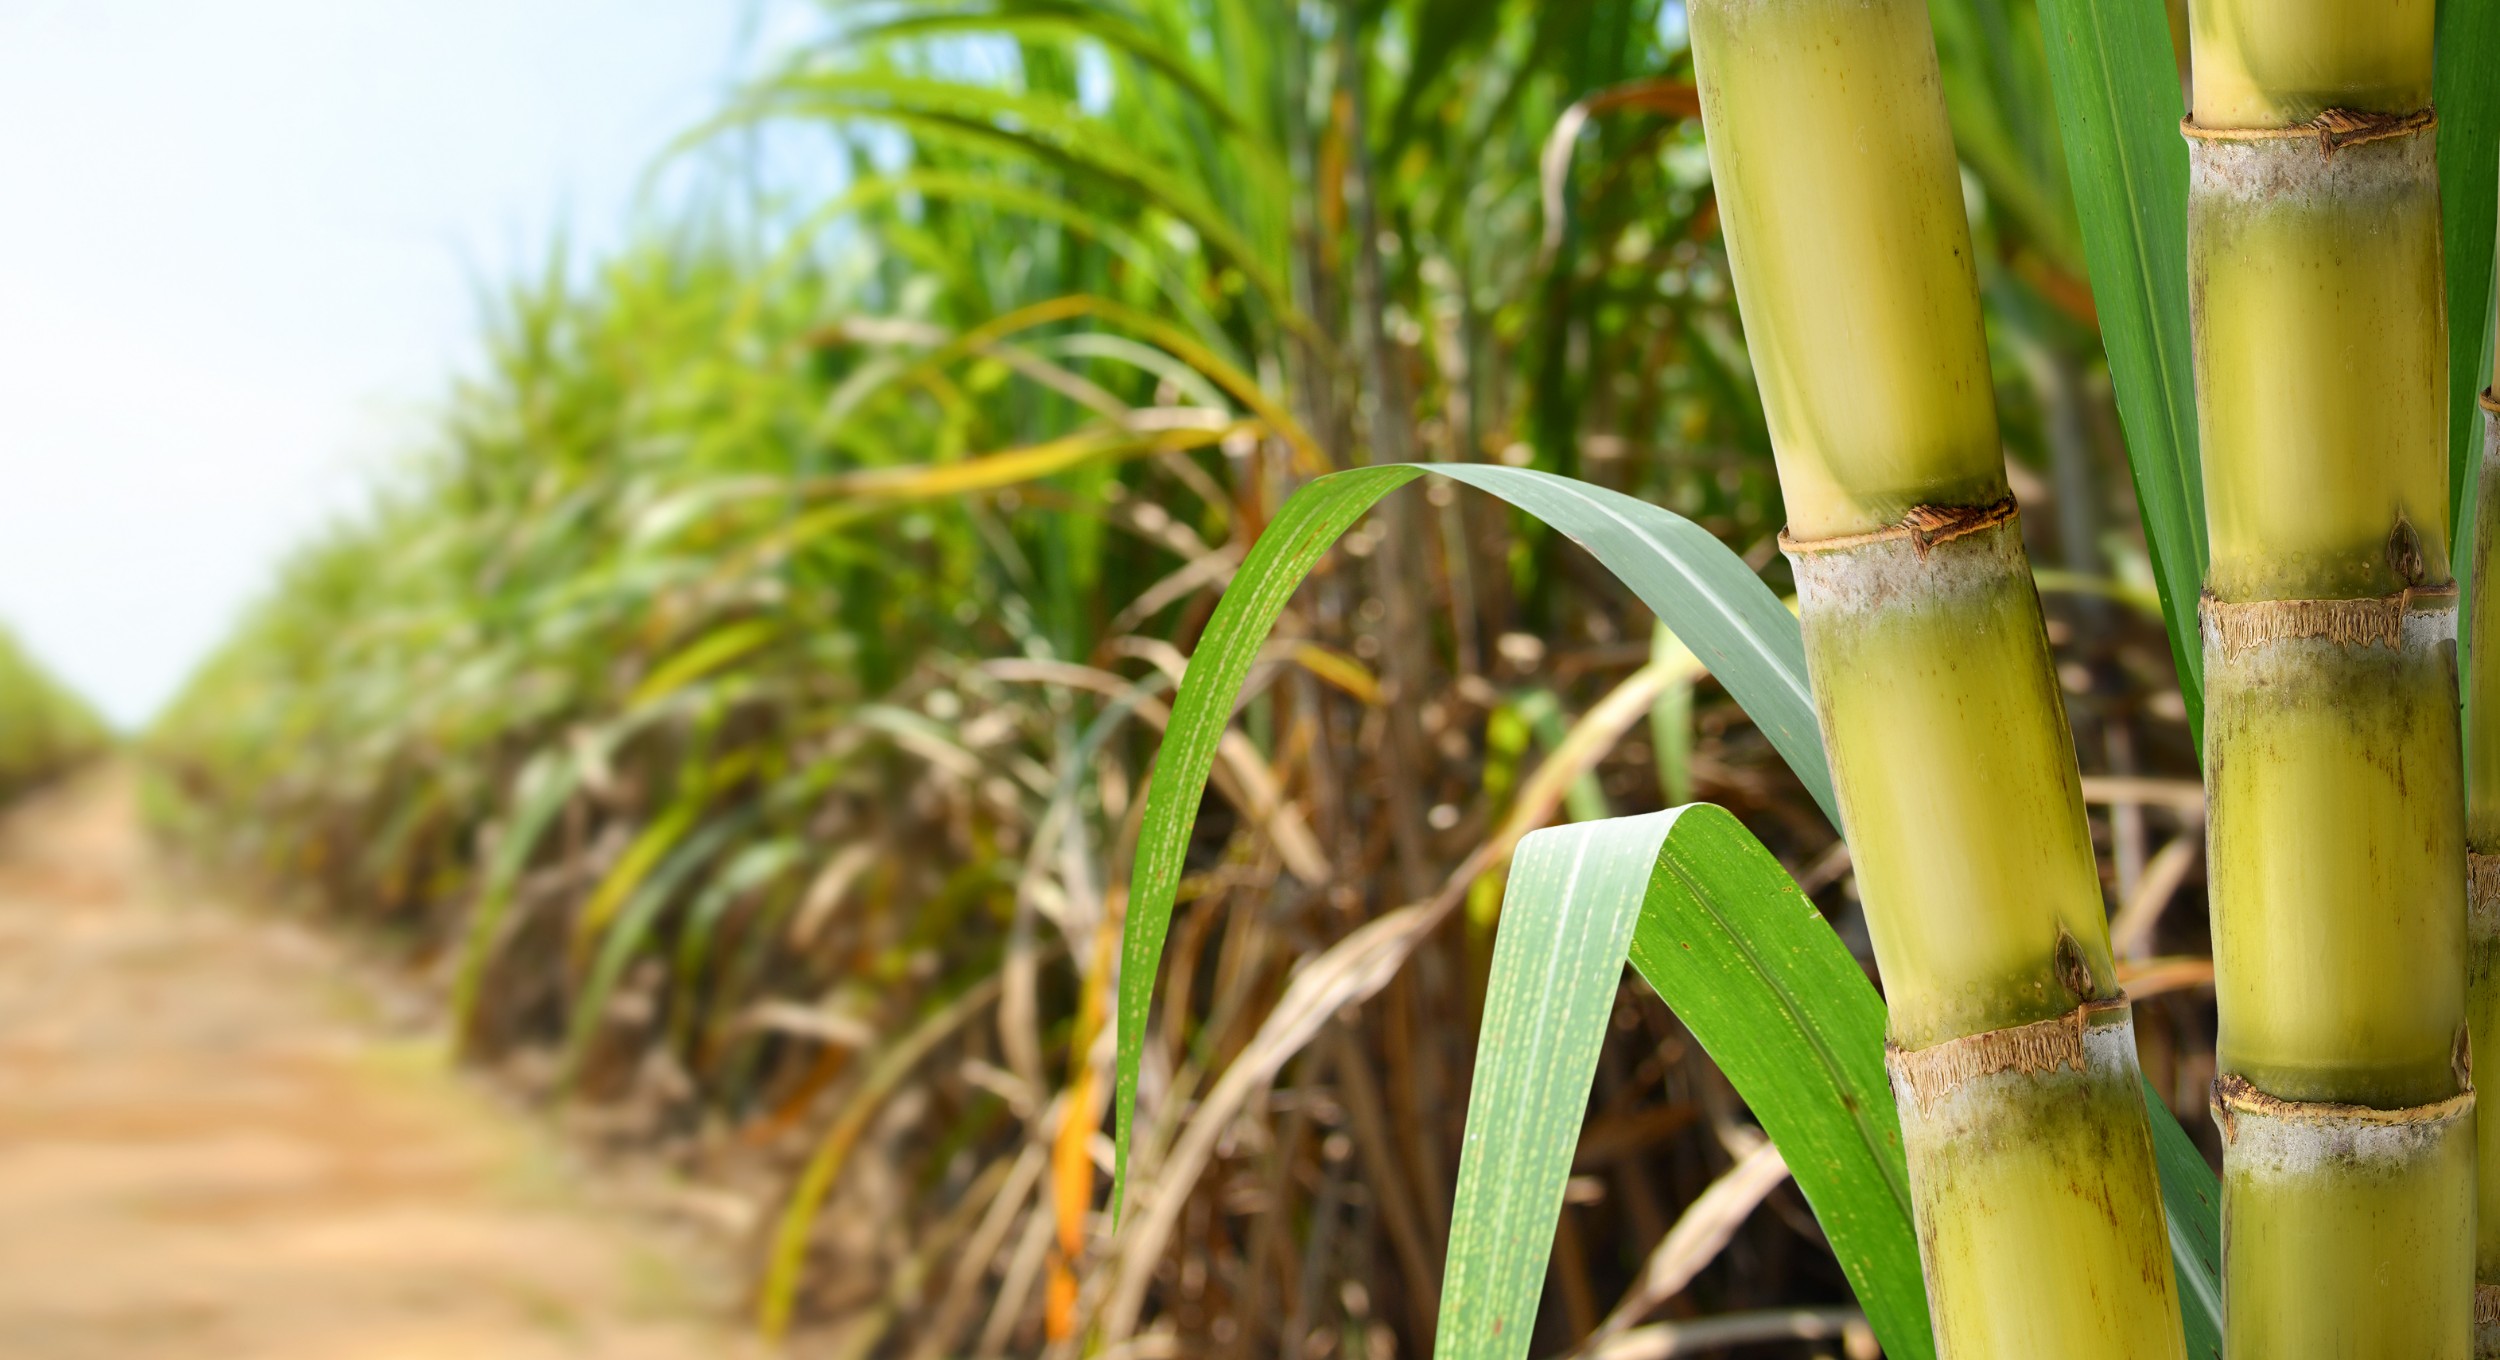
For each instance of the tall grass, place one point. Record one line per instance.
(746, 708)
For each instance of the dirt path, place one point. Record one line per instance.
(210, 1147)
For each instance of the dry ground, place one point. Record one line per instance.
(211, 1145)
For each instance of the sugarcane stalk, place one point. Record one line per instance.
(2336, 839)
(2040, 1223)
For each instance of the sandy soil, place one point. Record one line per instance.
(212, 1146)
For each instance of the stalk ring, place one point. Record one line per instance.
(2333, 130)
(1931, 1074)
(2238, 626)
(1924, 526)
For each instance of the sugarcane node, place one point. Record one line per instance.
(2240, 626)
(1926, 1076)
(2333, 129)
(2490, 404)
(1922, 526)
(2487, 1305)
(2266, 1138)
(2461, 1057)
(2237, 1103)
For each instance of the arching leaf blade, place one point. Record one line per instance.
(1304, 528)
(1701, 589)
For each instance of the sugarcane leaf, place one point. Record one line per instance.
(720, 647)
(543, 787)
(1713, 922)
(2118, 112)
(649, 848)
(1153, 256)
(1027, 19)
(1695, 584)
(2466, 91)
(1042, 130)
(1176, 342)
(776, 1296)
(2115, 76)
(620, 939)
(1699, 588)
(755, 866)
(2192, 1202)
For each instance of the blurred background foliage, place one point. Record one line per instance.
(44, 729)
(741, 710)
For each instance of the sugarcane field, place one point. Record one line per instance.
(1249, 680)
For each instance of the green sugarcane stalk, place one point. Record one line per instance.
(2039, 1218)
(2336, 830)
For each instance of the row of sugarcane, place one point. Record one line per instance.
(712, 725)
(2341, 845)
(45, 730)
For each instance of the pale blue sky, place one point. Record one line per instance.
(240, 257)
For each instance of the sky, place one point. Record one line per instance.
(242, 257)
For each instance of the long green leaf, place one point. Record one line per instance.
(2466, 91)
(1714, 924)
(2192, 1201)
(2118, 110)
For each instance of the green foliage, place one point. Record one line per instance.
(44, 728)
(2117, 85)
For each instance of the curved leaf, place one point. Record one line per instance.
(1043, 130)
(786, 1253)
(1699, 588)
